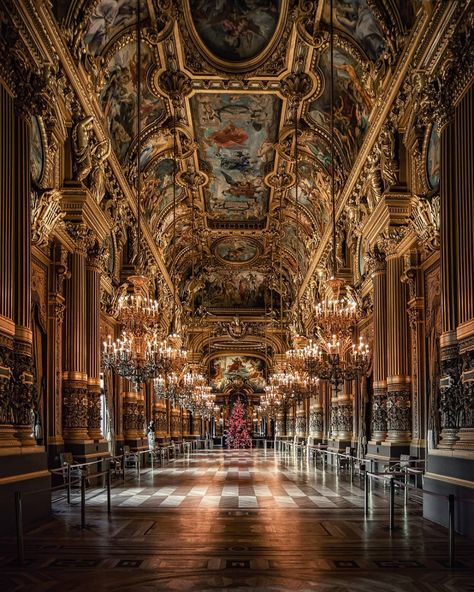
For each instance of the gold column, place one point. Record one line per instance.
(280, 428)
(130, 416)
(290, 421)
(159, 417)
(450, 366)
(464, 121)
(75, 395)
(186, 415)
(94, 266)
(316, 415)
(398, 380)
(7, 324)
(175, 426)
(300, 422)
(197, 425)
(23, 386)
(57, 308)
(413, 277)
(376, 259)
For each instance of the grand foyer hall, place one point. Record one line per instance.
(236, 294)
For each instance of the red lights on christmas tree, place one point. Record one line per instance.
(237, 433)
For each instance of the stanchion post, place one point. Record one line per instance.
(392, 503)
(407, 486)
(109, 485)
(366, 493)
(68, 474)
(20, 543)
(451, 529)
(83, 500)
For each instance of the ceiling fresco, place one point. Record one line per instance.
(236, 134)
(229, 76)
(109, 18)
(240, 369)
(237, 250)
(355, 18)
(352, 104)
(118, 97)
(235, 30)
(225, 288)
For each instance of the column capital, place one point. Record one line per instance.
(375, 260)
(82, 236)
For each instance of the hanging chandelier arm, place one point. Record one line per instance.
(139, 130)
(331, 91)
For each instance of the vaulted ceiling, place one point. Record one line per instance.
(224, 79)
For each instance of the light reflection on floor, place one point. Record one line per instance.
(237, 521)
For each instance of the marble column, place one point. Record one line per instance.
(300, 422)
(8, 441)
(160, 419)
(23, 373)
(56, 310)
(280, 426)
(377, 263)
(290, 421)
(398, 379)
(94, 266)
(464, 122)
(131, 419)
(75, 393)
(197, 425)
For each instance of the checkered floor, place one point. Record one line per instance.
(236, 480)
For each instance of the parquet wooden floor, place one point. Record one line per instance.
(236, 521)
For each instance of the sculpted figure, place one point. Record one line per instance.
(100, 153)
(82, 149)
(387, 156)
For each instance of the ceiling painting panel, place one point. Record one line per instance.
(237, 250)
(109, 18)
(352, 104)
(355, 18)
(236, 134)
(237, 369)
(225, 288)
(118, 97)
(235, 30)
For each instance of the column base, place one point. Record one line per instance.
(448, 438)
(8, 441)
(397, 438)
(378, 438)
(465, 439)
(24, 434)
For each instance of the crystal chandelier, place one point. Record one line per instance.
(336, 362)
(135, 355)
(333, 356)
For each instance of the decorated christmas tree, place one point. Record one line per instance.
(237, 433)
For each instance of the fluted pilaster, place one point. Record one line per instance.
(379, 400)
(75, 391)
(398, 380)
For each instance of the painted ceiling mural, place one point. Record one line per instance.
(352, 105)
(236, 250)
(246, 369)
(109, 18)
(235, 30)
(118, 97)
(355, 19)
(236, 134)
(237, 119)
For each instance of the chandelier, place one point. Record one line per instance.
(334, 356)
(336, 361)
(136, 354)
